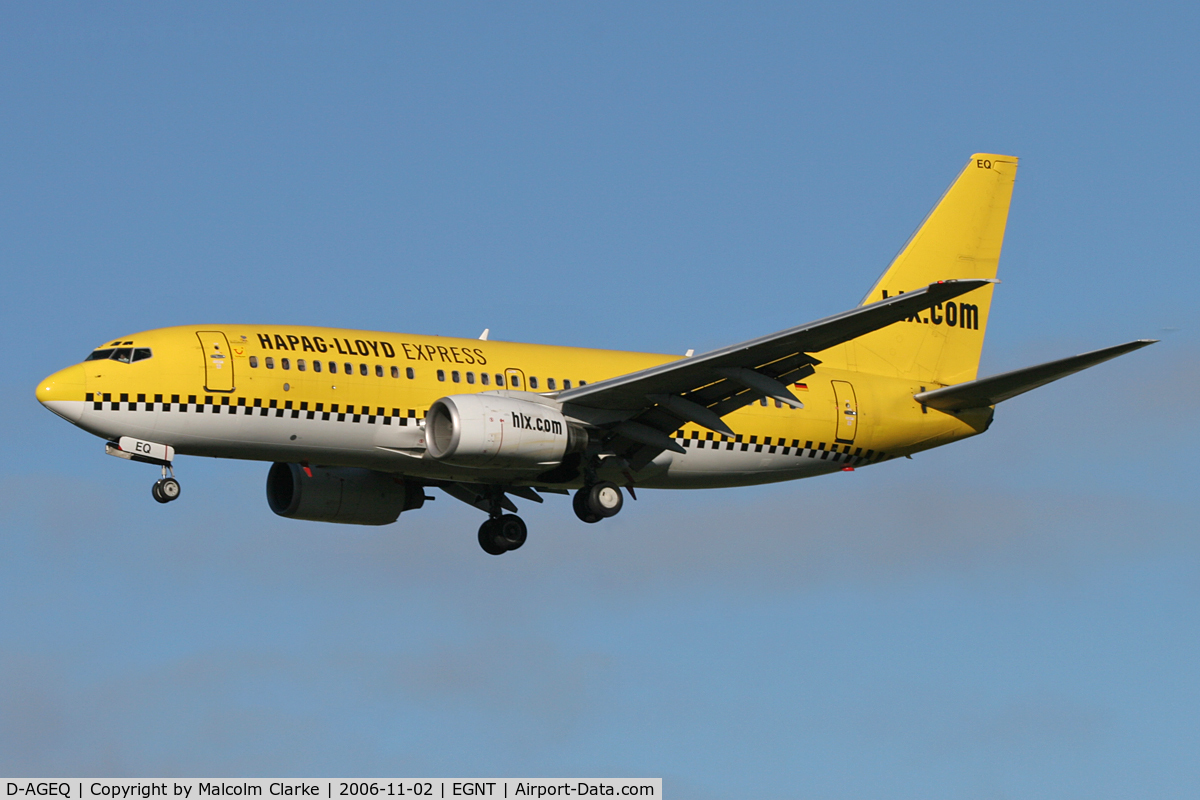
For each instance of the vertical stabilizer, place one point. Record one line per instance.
(961, 238)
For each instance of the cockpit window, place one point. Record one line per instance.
(125, 355)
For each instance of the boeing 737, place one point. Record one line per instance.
(360, 425)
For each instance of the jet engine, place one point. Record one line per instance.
(340, 494)
(487, 430)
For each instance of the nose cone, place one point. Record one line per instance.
(62, 393)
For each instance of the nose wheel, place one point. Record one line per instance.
(166, 488)
(598, 501)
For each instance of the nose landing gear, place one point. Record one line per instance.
(598, 501)
(166, 488)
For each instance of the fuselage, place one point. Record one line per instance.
(352, 398)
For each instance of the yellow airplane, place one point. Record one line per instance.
(359, 424)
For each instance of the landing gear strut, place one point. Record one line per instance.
(166, 488)
(598, 501)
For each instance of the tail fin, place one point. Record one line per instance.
(961, 238)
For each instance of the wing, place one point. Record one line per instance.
(639, 410)
(997, 388)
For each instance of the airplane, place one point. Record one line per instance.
(359, 425)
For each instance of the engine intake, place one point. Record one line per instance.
(340, 494)
(487, 430)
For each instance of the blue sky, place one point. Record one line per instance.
(1013, 616)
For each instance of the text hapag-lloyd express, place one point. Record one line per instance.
(447, 354)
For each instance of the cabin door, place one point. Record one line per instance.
(218, 365)
(847, 411)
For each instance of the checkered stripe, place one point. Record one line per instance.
(209, 404)
(823, 451)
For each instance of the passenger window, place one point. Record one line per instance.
(499, 379)
(270, 363)
(286, 363)
(141, 353)
(550, 384)
(454, 376)
(348, 368)
(378, 371)
(515, 381)
(484, 378)
(441, 374)
(395, 372)
(583, 383)
(123, 355)
(566, 384)
(763, 402)
(532, 382)
(778, 404)
(254, 362)
(300, 365)
(362, 369)
(409, 372)
(470, 377)
(333, 367)
(316, 366)
(99, 355)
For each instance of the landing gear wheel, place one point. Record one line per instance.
(511, 531)
(491, 543)
(580, 503)
(169, 489)
(605, 499)
(501, 534)
(165, 490)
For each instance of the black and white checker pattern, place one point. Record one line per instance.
(823, 451)
(257, 406)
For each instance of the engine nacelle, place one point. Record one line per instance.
(340, 494)
(487, 430)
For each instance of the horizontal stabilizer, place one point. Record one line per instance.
(997, 388)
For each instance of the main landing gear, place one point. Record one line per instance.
(598, 501)
(166, 488)
(503, 533)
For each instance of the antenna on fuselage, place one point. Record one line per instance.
(483, 336)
